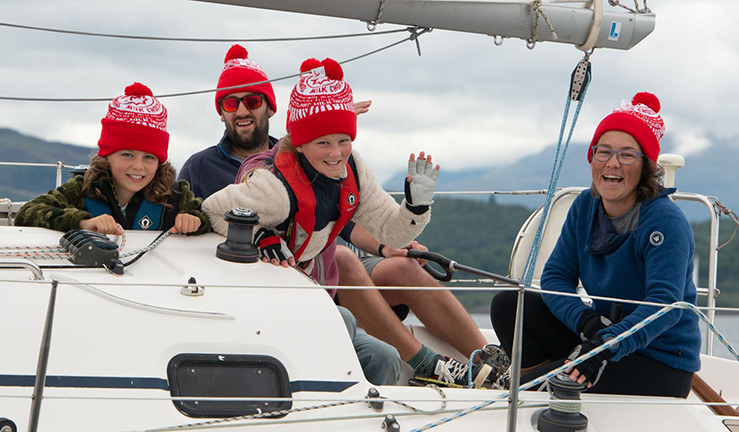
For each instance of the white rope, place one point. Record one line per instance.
(198, 426)
(123, 239)
(617, 3)
(57, 253)
(594, 26)
(537, 11)
(372, 25)
(36, 255)
(154, 244)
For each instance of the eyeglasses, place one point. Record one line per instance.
(624, 157)
(231, 104)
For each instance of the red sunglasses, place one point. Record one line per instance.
(231, 104)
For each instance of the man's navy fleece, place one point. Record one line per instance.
(214, 168)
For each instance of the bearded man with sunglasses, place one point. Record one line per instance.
(245, 112)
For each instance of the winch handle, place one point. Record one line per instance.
(443, 261)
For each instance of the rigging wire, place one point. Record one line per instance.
(415, 33)
(179, 39)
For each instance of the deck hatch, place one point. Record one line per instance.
(225, 375)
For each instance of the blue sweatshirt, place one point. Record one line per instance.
(653, 263)
(212, 169)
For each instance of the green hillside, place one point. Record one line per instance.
(23, 183)
(478, 234)
(481, 235)
(728, 261)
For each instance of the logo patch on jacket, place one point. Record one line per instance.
(351, 199)
(145, 222)
(656, 238)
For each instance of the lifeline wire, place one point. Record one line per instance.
(228, 422)
(413, 37)
(173, 39)
(326, 419)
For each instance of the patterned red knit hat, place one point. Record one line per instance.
(321, 103)
(135, 121)
(237, 70)
(637, 118)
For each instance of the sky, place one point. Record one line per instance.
(468, 102)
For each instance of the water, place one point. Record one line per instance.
(727, 324)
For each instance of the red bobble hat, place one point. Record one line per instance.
(637, 118)
(238, 70)
(135, 121)
(321, 103)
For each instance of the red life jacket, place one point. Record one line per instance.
(301, 227)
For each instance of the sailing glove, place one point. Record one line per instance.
(591, 368)
(419, 192)
(591, 322)
(272, 246)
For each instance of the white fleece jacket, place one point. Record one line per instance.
(264, 193)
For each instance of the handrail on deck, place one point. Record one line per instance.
(22, 263)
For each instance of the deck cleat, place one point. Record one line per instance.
(390, 424)
(374, 401)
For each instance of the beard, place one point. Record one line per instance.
(249, 140)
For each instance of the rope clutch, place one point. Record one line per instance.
(90, 248)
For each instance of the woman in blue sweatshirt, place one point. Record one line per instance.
(624, 238)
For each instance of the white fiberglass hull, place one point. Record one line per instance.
(114, 339)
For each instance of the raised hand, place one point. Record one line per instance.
(362, 107)
(420, 183)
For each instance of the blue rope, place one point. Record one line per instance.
(469, 367)
(559, 158)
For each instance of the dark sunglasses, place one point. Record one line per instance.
(231, 104)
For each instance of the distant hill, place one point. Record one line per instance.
(481, 234)
(23, 183)
(709, 172)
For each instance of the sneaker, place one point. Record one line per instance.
(454, 373)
